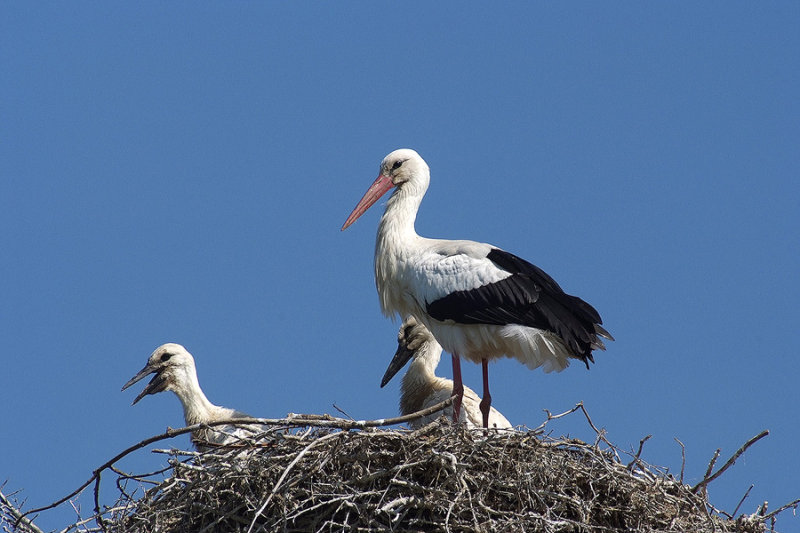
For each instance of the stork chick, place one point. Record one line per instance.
(422, 388)
(175, 371)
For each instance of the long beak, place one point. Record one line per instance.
(139, 376)
(157, 384)
(401, 357)
(375, 191)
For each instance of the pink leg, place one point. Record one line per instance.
(458, 388)
(486, 403)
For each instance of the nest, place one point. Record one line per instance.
(438, 478)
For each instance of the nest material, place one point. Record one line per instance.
(439, 478)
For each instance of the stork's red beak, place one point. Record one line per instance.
(375, 191)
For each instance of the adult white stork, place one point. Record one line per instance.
(422, 388)
(480, 302)
(175, 371)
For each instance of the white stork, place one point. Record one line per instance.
(175, 371)
(480, 302)
(422, 388)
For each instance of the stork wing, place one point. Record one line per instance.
(527, 296)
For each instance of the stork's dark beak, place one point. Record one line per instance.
(139, 376)
(401, 357)
(157, 384)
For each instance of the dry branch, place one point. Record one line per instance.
(23, 523)
(709, 478)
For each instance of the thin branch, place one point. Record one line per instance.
(708, 479)
(77, 510)
(711, 464)
(601, 434)
(85, 521)
(345, 413)
(683, 457)
(170, 433)
(638, 453)
(341, 423)
(747, 493)
(781, 509)
(18, 516)
(100, 520)
(555, 417)
(285, 473)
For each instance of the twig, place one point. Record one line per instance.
(782, 508)
(100, 520)
(555, 417)
(601, 434)
(77, 510)
(343, 411)
(708, 479)
(85, 521)
(341, 423)
(579, 406)
(170, 433)
(638, 453)
(711, 464)
(683, 457)
(285, 473)
(747, 492)
(174, 452)
(18, 516)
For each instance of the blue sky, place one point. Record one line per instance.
(179, 172)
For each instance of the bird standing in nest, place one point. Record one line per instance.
(479, 301)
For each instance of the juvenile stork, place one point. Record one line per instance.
(422, 388)
(480, 302)
(175, 371)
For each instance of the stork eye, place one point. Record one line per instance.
(165, 357)
(397, 164)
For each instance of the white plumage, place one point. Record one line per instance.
(422, 388)
(175, 371)
(478, 301)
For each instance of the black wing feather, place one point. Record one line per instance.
(529, 297)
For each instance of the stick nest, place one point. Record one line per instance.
(319, 473)
(439, 478)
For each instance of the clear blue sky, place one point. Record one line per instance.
(180, 171)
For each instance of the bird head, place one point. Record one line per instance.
(171, 363)
(410, 340)
(399, 167)
(401, 164)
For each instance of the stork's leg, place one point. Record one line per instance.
(458, 389)
(486, 403)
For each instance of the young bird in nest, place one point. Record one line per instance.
(175, 371)
(422, 388)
